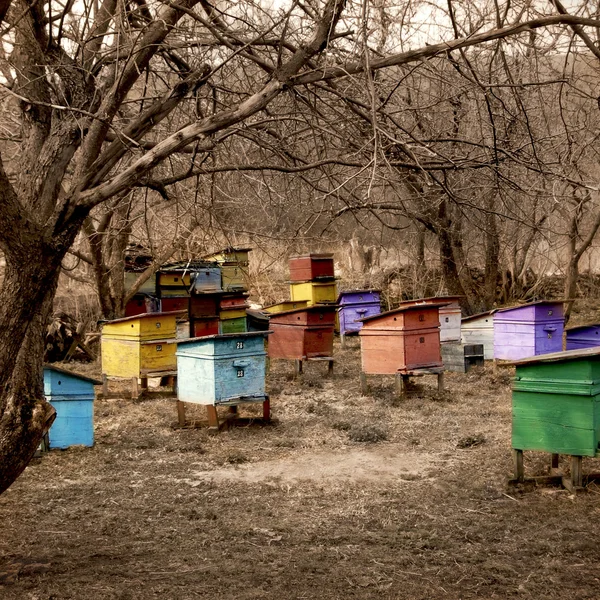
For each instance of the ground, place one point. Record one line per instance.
(345, 496)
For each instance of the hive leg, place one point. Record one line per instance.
(213, 418)
(342, 340)
(181, 413)
(518, 465)
(267, 410)
(399, 384)
(576, 472)
(135, 392)
(440, 382)
(554, 461)
(364, 386)
(104, 385)
(298, 366)
(330, 368)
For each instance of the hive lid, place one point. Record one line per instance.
(368, 291)
(312, 308)
(527, 304)
(187, 266)
(434, 300)
(152, 315)
(557, 356)
(323, 256)
(221, 336)
(399, 310)
(479, 315)
(578, 327)
(71, 374)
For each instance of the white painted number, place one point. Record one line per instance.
(239, 346)
(159, 348)
(240, 372)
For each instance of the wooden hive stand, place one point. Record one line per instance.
(402, 378)
(231, 419)
(299, 364)
(139, 386)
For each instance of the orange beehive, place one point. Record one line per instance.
(401, 340)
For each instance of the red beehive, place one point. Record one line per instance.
(204, 305)
(310, 267)
(173, 304)
(234, 301)
(302, 333)
(403, 339)
(204, 327)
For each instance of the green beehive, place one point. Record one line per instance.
(556, 403)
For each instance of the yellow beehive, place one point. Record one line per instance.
(135, 346)
(233, 277)
(314, 292)
(234, 313)
(174, 280)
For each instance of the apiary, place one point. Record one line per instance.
(479, 329)
(311, 267)
(72, 396)
(355, 305)
(585, 336)
(528, 330)
(135, 346)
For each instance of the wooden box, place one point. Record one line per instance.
(556, 403)
(585, 336)
(140, 304)
(237, 325)
(72, 396)
(136, 346)
(222, 368)
(314, 292)
(311, 267)
(233, 277)
(204, 306)
(204, 326)
(479, 329)
(174, 279)
(298, 342)
(177, 303)
(285, 306)
(355, 305)
(460, 358)
(403, 339)
(206, 279)
(257, 320)
(528, 330)
(318, 315)
(450, 315)
(231, 301)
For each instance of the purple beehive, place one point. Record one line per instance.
(585, 336)
(528, 330)
(355, 305)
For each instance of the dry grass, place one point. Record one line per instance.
(415, 508)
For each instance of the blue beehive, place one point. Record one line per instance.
(219, 369)
(72, 396)
(585, 336)
(356, 305)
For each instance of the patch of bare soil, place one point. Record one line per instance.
(344, 496)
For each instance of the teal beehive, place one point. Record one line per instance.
(72, 396)
(219, 369)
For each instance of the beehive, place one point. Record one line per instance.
(556, 403)
(72, 396)
(355, 305)
(450, 315)
(302, 333)
(135, 346)
(233, 263)
(528, 330)
(222, 368)
(311, 267)
(148, 287)
(585, 336)
(230, 255)
(460, 358)
(479, 329)
(400, 340)
(204, 326)
(314, 292)
(140, 304)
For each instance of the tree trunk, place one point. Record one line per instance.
(26, 302)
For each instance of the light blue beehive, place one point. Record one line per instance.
(72, 396)
(220, 369)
